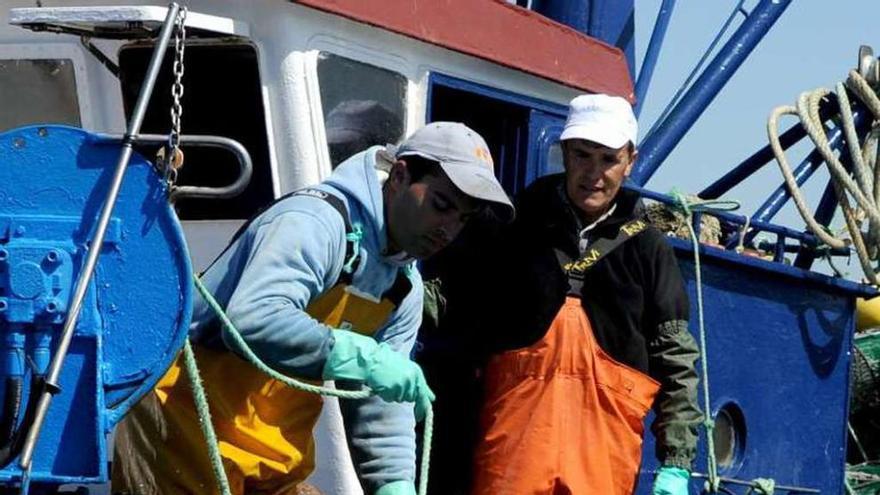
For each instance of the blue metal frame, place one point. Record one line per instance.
(763, 156)
(751, 165)
(646, 73)
(824, 214)
(782, 233)
(696, 70)
(781, 195)
(544, 131)
(806, 169)
(612, 21)
(657, 146)
(437, 78)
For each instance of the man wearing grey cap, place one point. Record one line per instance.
(589, 330)
(321, 286)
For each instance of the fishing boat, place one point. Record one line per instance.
(135, 139)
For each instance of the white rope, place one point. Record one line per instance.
(864, 191)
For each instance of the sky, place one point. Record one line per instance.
(814, 44)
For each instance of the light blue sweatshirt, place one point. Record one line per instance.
(289, 256)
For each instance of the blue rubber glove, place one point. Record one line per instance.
(671, 481)
(397, 488)
(390, 375)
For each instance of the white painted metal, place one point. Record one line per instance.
(133, 21)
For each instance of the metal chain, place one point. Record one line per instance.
(174, 158)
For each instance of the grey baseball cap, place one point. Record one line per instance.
(464, 157)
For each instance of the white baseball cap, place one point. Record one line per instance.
(603, 119)
(464, 157)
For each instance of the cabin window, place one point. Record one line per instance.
(522, 132)
(553, 160)
(503, 124)
(363, 105)
(222, 97)
(523, 137)
(37, 91)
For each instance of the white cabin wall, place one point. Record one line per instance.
(284, 34)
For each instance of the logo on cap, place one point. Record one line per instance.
(483, 155)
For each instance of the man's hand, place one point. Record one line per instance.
(396, 378)
(671, 481)
(389, 374)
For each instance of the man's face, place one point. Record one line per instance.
(594, 174)
(424, 216)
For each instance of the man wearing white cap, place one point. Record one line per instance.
(591, 330)
(321, 286)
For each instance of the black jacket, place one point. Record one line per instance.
(505, 295)
(628, 294)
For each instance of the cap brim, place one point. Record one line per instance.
(596, 133)
(480, 183)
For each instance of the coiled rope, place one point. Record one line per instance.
(864, 190)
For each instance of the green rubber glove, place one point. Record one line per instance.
(390, 375)
(397, 488)
(671, 481)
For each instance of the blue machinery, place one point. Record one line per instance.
(89, 335)
(128, 329)
(95, 288)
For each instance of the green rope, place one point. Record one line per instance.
(766, 486)
(243, 348)
(354, 237)
(849, 488)
(689, 207)
(201, 401)
(253, 359)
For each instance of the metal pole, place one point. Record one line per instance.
(803, 171)
(781, 195)
(659, 145)
(751, 164)
(652, 54)
(824, 215)
(94, 249)
(763, 156)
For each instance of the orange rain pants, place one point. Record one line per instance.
(561, 416)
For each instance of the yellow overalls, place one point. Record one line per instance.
(264, 427)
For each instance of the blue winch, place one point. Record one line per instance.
(95, 284)
(135, 313)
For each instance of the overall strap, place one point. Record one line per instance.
(351, 255)
(595, 251)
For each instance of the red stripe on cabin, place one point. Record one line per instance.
(498, 32)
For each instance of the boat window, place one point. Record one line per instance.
(363, 105)
(503, 124)
(222, 97)
(37, 91)
(523, 137)
(553, 163)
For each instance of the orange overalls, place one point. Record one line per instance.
(561, 416)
